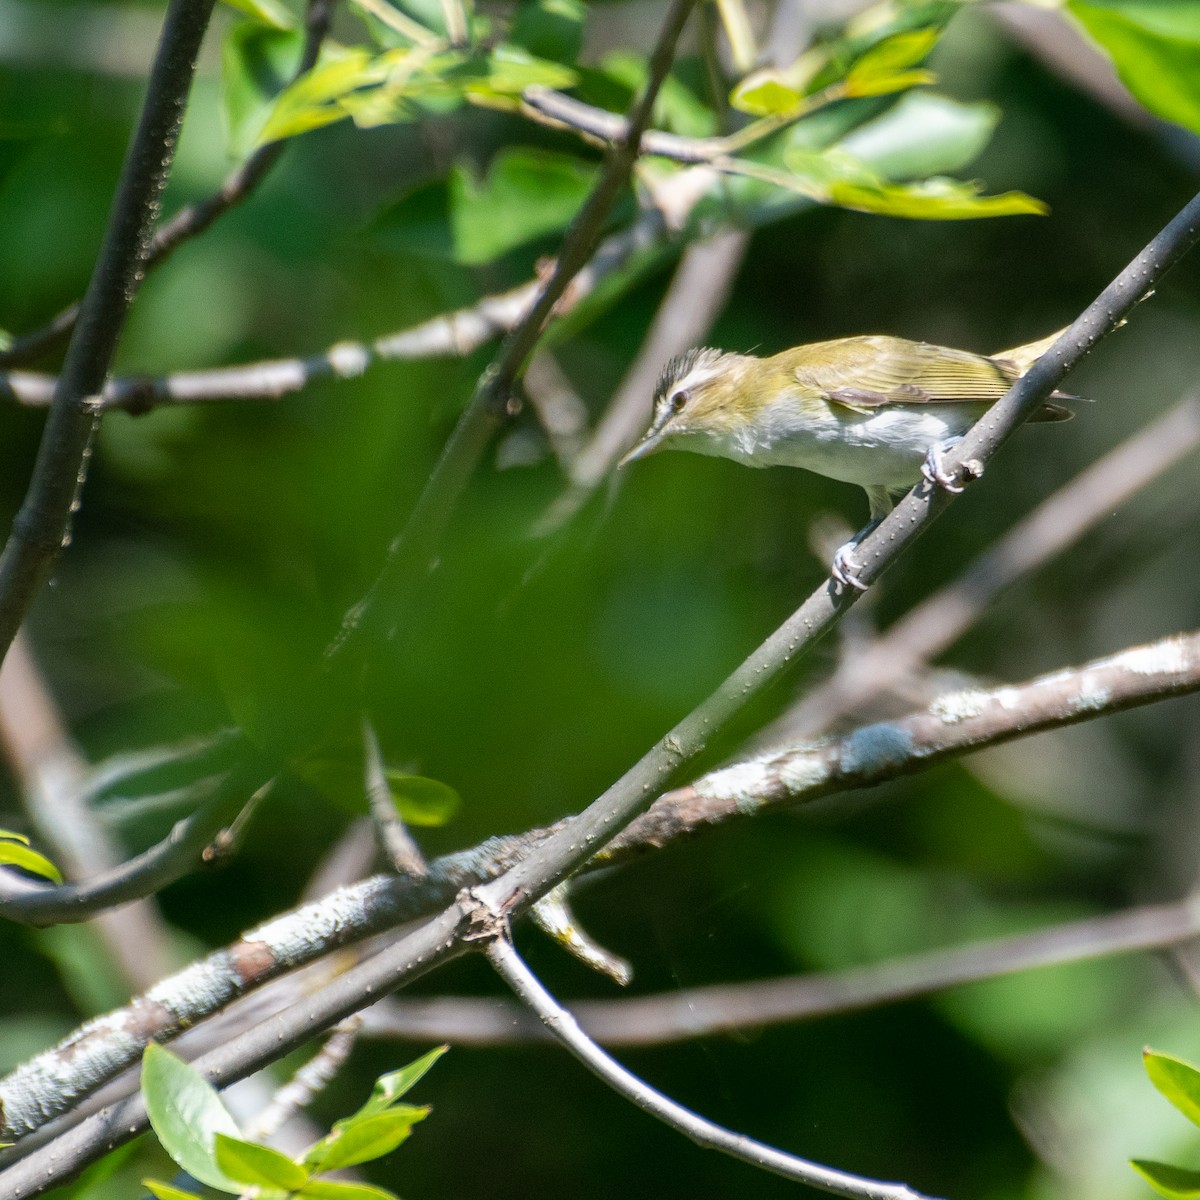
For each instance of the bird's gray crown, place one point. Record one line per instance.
(683, 365)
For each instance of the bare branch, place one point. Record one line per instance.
(42, 525)
(709, 1136)
(687, 1013)
(193, 218)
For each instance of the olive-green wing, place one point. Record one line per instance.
(870, 372)
(867, 373)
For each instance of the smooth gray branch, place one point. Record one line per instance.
(42, 525)
(706, 1134)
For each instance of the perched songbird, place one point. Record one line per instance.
(876, 411)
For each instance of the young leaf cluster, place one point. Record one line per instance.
(197, 1131)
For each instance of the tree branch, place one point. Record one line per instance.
(707, 1135)
(42, 526)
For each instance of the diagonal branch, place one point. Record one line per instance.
(706, 1134)
(42, 526)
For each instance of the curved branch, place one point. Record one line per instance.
(42, 525)
(709, 1136)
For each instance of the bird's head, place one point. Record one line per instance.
(696, 400)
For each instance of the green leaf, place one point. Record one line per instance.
(923, 134)
(390, 1087)
(186, 1115)
(167, 1191)
(1177, 1079)
(1176, 1183)
(421, 801)
(331, 1189)
(525, 195)
(550, 29)
(1155, 48)
(362, 1139)
(766, 93)
(310, 102)
(258, 62)
(266, 12)
(257, 1165)
(15, 852)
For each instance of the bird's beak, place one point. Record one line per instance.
(653, 439)
(644, 448)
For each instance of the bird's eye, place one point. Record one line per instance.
(679, 400)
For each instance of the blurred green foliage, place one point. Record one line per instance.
(218, 547)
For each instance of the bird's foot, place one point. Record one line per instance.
(934, 467)
(844, 568)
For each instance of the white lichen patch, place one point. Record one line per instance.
(1091, 696)
(803, 771)
(1168, 657)
(744, 784)
(954, 707)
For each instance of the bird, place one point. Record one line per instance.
(875, 410)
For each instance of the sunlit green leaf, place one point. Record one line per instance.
(331, 1189)
(766, 93)
(258, 62)
(1155, 48)
(364, 1138)
(1176, 1183)
(266, 12)
(390, 1087)
(186, 1115)
(513, 69)
(1177, 1079)
(257, 1165)
(310, 102)
(15, 852)
(421, 801)
(167, 1191)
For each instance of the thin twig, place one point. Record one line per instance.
(193, 218)
(401, 851)
(709, 1136)
(941, 619)
(688, 1013)
(42, 526)
(492, 398)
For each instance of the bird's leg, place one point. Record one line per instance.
(845, 569)
(934, 468)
